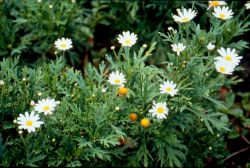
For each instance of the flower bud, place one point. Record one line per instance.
(210, 46)
(2, 82)
(145, 122)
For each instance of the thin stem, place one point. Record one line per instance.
(117, 58)
(245, 139)
(236, 153)
(2, 88)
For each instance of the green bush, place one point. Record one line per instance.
(99, 124)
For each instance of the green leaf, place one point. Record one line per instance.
(211, 120)
(109, 141)
(74, 164)
(99, 153)
(230, 100)
(32, 161)
(8, 126)
(84, 143)
(236, 112)
(1, 146)
(246, 122)
(217, 102)
(246, 106)
(142, 155)
(233, 134)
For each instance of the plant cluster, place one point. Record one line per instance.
(125, 111)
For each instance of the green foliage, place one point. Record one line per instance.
(87, 126)
(29, 27)
(91, 127)
(238, 115)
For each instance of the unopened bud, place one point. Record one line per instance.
(170, 28)
(2, 82)
(32, 103)
(210, 46)
(104, 90)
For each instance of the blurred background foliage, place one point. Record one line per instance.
(29, 27)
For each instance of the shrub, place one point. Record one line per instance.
(124, 112)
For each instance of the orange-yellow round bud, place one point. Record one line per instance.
(145, 122)
(133, 116)
(122, 91)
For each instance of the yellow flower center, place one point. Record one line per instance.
(160, 110)
(222, 16)
(127, 42)
(228, 58)
(185, 19)
(117, 81)
(29, 123)
(63, 45)
(168, 89)
(46, 108)
(222, 69)
(214, 3)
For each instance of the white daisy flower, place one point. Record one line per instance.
(160, 110)
(127, 39)
(46, 106)
(247, 5)
(29, 121)
(210, 46)
(184, 15)
(63, 44)
(117, 78)
(224, 67)
(169, 87)
(223, 13)
(179, 47)
(216, 3)
(229, 55)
